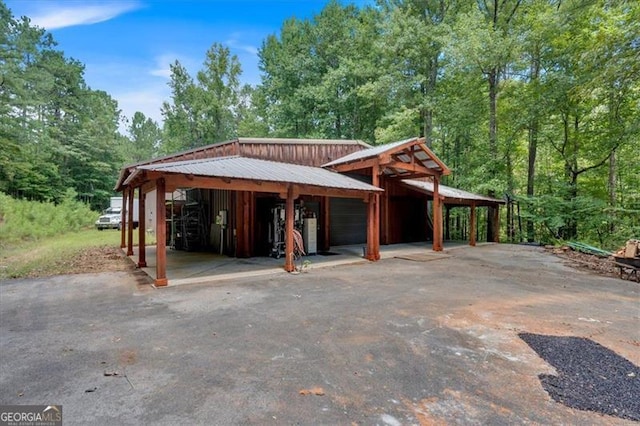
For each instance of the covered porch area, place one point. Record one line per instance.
(243, 176)
(396, 216)
(453, 197)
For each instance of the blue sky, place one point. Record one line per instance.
(127, 45)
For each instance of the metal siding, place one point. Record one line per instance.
(304, 154)
(348, 218)
(220, 200)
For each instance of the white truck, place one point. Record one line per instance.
(111, 218)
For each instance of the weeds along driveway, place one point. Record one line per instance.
(391, 342)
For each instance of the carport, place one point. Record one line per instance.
(454, 197)
(244, 176)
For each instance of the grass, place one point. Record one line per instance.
(53, 255)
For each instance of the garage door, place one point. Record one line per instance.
(348, 221)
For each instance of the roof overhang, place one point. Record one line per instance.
(451, 196)
(230, 148)
(409, 158)
(247, 174)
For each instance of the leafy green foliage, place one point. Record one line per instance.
(205, 110)
(55, 132)
(31, 220)
(535, 99)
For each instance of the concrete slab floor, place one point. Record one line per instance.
(202, 267)
(390, 342)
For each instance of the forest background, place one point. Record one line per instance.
(534, 101)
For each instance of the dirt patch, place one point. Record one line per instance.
(589, 262)
(94, 259)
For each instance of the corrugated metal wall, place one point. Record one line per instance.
(218, 200)
(304, 154)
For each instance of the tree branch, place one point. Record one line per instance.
(598, 164)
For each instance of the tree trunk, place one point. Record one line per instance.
(533, 148)
(493, 139)
(612, 181)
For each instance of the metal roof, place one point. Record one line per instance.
(449, 192)
(424, 155)
(124, 172)
(235, 167)
(368, 153)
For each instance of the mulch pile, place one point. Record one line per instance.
(590, 262)
(590, 376)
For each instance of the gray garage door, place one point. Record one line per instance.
(348, 221)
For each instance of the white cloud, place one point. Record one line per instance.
(147, 100)
(80, 14)
(163, 62)
(235, 44)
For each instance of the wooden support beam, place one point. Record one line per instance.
(246, 223)
(241, 242)
(142, 250)
(148, 186)
(472, 220)
(375, 181)
(410, 167)
(437, 215)
(289, 217)
(384, 211)
(130, 221)
(371, 218)
(325, 222)
(294, 192)
(123, 219)
(495, 212)
(447, 222)
(252, 223)
(356, 165)
(161, 234)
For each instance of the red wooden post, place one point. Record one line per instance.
(130, 222)
(375, 181)
(289, 217)
(472, 219)
(371, 219)
(142, 250)
(243, 224)
(123, 219)
(239, 225)
(161, 234)
(246, 223)
(384, 238)
(437, 215)
(325, 222)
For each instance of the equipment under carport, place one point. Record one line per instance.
(191, 233)
(277, 237)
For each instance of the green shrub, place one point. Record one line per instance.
(31, 220)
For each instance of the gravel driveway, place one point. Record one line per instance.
(389, 343)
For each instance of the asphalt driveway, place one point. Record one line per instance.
(393, 342)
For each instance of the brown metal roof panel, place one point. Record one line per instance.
(368, 153)
(450, 192)
(261, 170)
